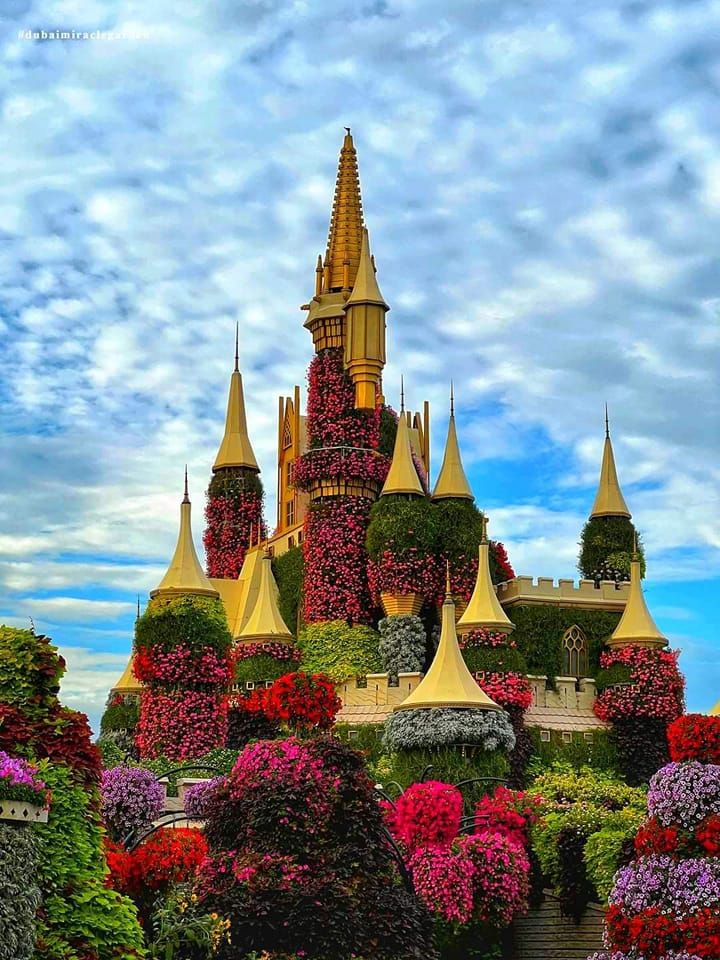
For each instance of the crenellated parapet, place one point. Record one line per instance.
(607, 595)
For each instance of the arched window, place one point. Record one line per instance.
(575, 653)
(287, 436)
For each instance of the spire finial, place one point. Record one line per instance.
(448, 595)
(484, 522)
(237, 346)
(402, 394)
(607, 422)
(452, 399)
(138, 608)
(186, 497)
(347, 130)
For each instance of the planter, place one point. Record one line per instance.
(20, 811)
(401, 604)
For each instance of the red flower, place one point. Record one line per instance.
(695, 737)
(302, 702)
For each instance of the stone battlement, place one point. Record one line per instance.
(567, 593)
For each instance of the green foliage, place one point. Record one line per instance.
(30, 671)
(235, 483)
(388, 429)
(450, 765)
(539, 630)
(564, 785)
(503, 659)
(600, 754)
(288, 570)
(366, 738)
(196, 622)
(402, 525)
(80, 915)
(111, 751)
(19, 892)
(263, 667)
(339, 651)
(613, 675)
(180, 929)
(459, 525)
(221, 759)
(605, 850)
(120, 716)
(607, 540)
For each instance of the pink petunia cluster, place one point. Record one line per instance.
(181, 724)
(655, 689)
(230, 521)
(427, 814)
(413, 572)
(182, 666)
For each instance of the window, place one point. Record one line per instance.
(575, 653)
(289, 473)
(291, 542)
(588, 737)
(290, 513)
(545, 736)
(353, 734)
(287, 435)
(567, 736)
(361, 683)
(250, 685)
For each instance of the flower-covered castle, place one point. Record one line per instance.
(370, 568)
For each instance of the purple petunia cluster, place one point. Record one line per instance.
(198, 796)
(616, 955)
(19, 780)
(682, 886)
(684, 793)
(131, 799)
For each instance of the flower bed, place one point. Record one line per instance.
(654, 687)
(19, 780)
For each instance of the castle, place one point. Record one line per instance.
(350, 472)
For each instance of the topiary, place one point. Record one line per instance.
(403, 645)
(340, 651)
(606, 548)
(193, 622)
(288, 570)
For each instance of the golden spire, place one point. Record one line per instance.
(484, 612)
(448, 682)
(184, 576)
(265, 623)
(128, 682)
(366, 289)
(451, 481)
(342, 257)
(636, 625)
(609, 501)
(236, 449)
(402, 477)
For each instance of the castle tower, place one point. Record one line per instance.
(483, 611)
(235, 494)
(452, 482)
(609, 501)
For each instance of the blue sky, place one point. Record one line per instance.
(542, 187)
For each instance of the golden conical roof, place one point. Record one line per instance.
(236, 449)
(366, 289)
(636, 625)
(265, 622)
(715, 710)
(128, 682)
(184, 576)
(484, 612)
(342, 257)
(448, 682)
(609, 501)
(451, 481)
(402, 477)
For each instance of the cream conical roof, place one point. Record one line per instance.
(636, 626)
(402, 477)
(609, 501)
(366, 289)
(484, 611)
(265, 623)
(448, 682)
(128, 682)
(184, 576)
(236, 449)
(451, 481)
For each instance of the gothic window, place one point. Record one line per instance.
(287, 435)
(575, 653)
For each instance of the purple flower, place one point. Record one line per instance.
(198, 795)
(19, 780)
(684, 793)
(680, 887)
(131, 799)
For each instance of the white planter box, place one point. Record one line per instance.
(22, 812)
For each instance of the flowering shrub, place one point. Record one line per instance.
(510, 813)
(332, 419)
(683, 886)
(182, 667)
(181, 725)
(483, 877)
(198, 797)
(695, 737)
(421, 729)
(169, 855)
(302, 702)
(131, 798)
(413, 572)
(684, 793)
(506, 689)
(19, 781)
(328, 463)
(335, 584)
(402, 548)
(402, 645)
(233, 514)
(655, 687)
(427, 814)
(339, 651)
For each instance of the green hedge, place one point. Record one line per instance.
(402, 525)
(339, 651)
(288, 570)
(608, 540)
(601, 754)
(263, 667)
(196, 622)
(120, 716)
(19, 892)
(30, 670)
(617, 673)
(501, 659)
(539, 631)
(234, 483)
(448, 765)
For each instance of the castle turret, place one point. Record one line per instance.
(402, 477)
(452, 482)
(636, 625)
(483, 611)
(365, 331)
(235, 448)
(265, 624)
(609, 501)
(185, 575)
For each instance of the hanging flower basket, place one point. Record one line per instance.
(21, 811)
(401, 604)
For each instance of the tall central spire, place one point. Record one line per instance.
(609, 501)
(236, 449)
(342, 256)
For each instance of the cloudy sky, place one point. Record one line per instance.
(542, 186)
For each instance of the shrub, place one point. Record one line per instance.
(426, 815)
(19, 781)
(402, 646)
(449, 765)
(695, 737)
(131, 799)
(402, 547)
(19, 892)
(232, 513)
(641, 747)
(30, 671)
(247, 721)
(198, 797)
(288, 570)
(339, 651)
(443, 727)
(606, 548)
(265, 661)
(302, 703)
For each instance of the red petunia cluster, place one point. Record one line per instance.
(167, 857)
(231, 521)
(182, 666)
(656, 933)
(509, 812)
(695, 737)
(655, 688)
(508, 689)
(301, 702)
(413, 572)
(428, 814)
(181, 724)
